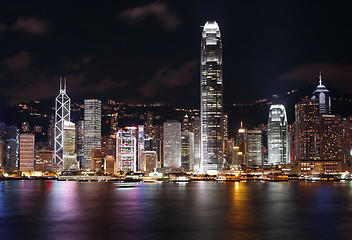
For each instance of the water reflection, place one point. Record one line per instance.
(196, 210)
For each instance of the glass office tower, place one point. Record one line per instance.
(211, 99)
(278, 140)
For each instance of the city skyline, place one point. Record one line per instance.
(169, 119)
(213, 135)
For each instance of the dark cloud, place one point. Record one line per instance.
(21, 91)
(31, 25)
(170, 76)
(3, 27)
(156, 9)
(18, 62)
(79, 64)
(333, 74)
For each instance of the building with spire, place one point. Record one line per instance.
(211, 99)
(322, 95)
(62, 114)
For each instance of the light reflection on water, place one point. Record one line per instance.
(196, 210)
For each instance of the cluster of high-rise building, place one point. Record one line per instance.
(316, 141)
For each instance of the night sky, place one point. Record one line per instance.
(148, 51)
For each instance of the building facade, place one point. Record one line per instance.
(92, 129)
(255, 147)
(11, 148)
(172, 144)
(27, 141)
(307, 133)
(242, 143)
(80, 143)
(187, 151)
(330, 137)
(149, 161)
(69, 156)
(126, 150)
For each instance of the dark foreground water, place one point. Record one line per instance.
(197, 210)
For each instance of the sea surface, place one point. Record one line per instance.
(197, 210)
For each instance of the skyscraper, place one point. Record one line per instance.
(69, 156)
(187, 151)
(27, 152)
(346, 138)
(62, 114)
(140, 147)
(80, 143)
(211, 99)
(322, 95)
(278, 137)
(12, 146)
(92, 129)
(126, 149)
(242, 143)
(197, 143)
(149, 161)
(330, 136)
(255, 147)
(307, 133)
(172, 144)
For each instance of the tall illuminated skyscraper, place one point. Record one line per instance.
(62, 114)
(211, 99)
(278, 137)
(92, 129)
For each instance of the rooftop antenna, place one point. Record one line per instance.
(63, 84)
(320, 81)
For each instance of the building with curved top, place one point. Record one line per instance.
(278, 137)
(211, 99)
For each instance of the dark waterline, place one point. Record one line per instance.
(197, 210)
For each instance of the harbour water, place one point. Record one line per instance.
(160, 210)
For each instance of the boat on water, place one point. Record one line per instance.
(132, 178)
(180, 179)
(149, 180)
(275, 178)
